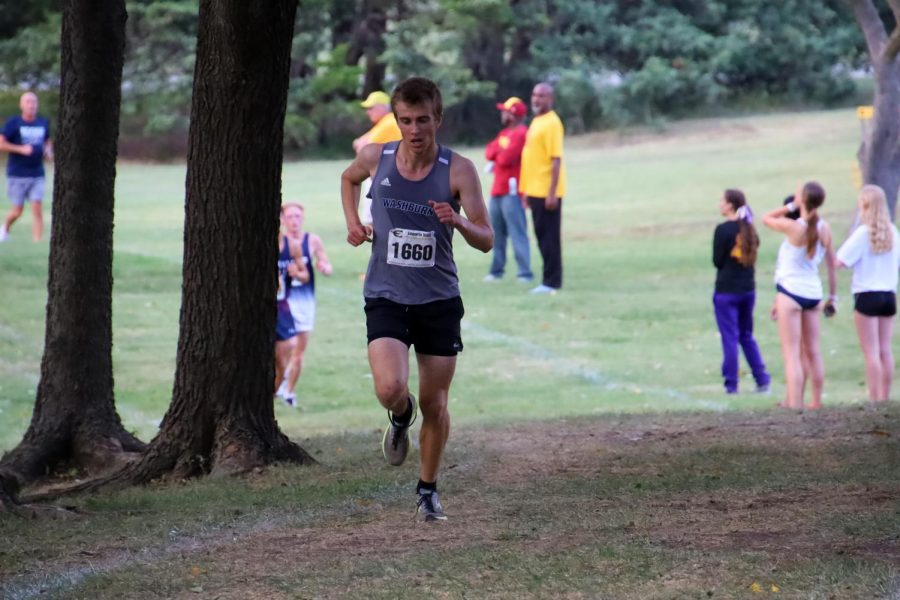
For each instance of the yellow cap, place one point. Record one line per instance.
(374, 99)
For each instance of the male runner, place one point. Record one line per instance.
(411, 288)
(301, 295)
(290, 267)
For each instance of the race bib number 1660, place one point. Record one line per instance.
(409, 248)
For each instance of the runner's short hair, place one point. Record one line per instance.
(416, 91)
(288, 205)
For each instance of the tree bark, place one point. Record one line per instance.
(880, 152)
(74, 417)
(484, 55)
(221, 419)
(367, 41)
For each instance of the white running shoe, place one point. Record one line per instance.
(4, 233)
(544, 289)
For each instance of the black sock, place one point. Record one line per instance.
(404, 419)
(426, 487)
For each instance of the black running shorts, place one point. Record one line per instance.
(432, 328)
(875, 304)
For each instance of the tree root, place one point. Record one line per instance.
(9, 504)
(156, 463)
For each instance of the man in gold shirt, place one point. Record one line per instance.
(543, 182)
(384, 125)
(384, 129)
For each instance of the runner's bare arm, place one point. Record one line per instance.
(297, 269)
(475, 227)
(362, 141)
(318, 251)
(361, 168)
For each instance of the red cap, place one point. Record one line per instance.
(515, 106)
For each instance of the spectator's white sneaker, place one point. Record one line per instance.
(544, 289)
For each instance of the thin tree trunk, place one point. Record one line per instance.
(880, 153)
(367, 41)
(74, 417)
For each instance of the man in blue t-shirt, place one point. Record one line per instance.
(27, 140)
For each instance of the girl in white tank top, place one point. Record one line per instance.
(798, 301)
(796, 271)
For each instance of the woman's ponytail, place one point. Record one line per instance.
(813, 198)
(747, 242)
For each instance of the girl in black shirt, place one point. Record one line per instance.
(735, 244)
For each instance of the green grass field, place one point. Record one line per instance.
(632, 330)
(594, 453)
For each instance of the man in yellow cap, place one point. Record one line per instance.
(384, 129)
(384, 125)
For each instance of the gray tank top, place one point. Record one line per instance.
(412, 252)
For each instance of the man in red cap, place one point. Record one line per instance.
(507, 211)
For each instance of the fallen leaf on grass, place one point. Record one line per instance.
(756, 588)
(880, 432)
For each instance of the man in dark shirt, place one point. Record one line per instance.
(27, 140)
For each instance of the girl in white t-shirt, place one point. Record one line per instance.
(798, 302)
(873, 252)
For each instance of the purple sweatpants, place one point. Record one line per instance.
(734, 316)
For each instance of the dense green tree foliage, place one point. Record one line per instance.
(16, 15)
(614, 62)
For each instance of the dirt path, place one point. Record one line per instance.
(719, 490)
(522, 461)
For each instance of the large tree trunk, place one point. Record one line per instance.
(221, 418)
(74, 417)
(880, 152)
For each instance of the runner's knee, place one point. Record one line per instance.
(434, 409)
(389, 390)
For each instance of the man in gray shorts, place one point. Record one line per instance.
(26, 138)
(411, 288)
